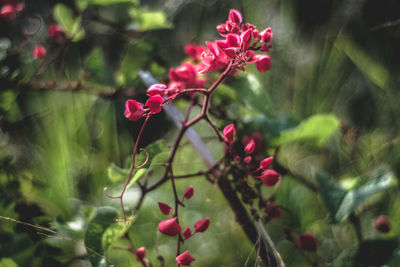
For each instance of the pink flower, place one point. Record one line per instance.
(187, 233)
(382, 224)
(247, 159)
(263, 63)
(56, 33)
(202, 225)
(133, 110)
(188, 192)
(229, 133)
(222, 30)
(209, 58)
(154, 103)
(157, 89)
(269, 177)
(169, 227)
(266, 35)
(265, 163)
(140, 254)
(257, 138)
(184, 258)
(250, 147)
(235, 16)
(39, 52)
(165, 209)
(194, 51)
(8, 12)
(273, 211)
(306, 242)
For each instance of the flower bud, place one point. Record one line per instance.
(263, 63)
(382, 224)
(188, 192)
(202, 225)
(39, 52)
(306, 242)
(169, 227)
(56, 33)
(266, 35)
(273, 211)
(154, 104)
(187, 233)
(8, 12)
(140, 254)
(133, 110)
(265, 163)
(165, 209)
(157, 89)
(269, 177)
(249, 149)
(222, 30)
(235, 16)
(184, 258)
(247, 159)
(229, 133)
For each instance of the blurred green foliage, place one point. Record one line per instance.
(328, 109)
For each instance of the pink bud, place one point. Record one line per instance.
(229, 133)
(265, 163)
(250, 147)
(8, 12)
(188, 192)
(245, 39)
(39, 52)
(306, 242)
(169, 227)
(187, 233)
(382, 224)
(263, 63)
(247, 159)
(222, 30)
(230, 51)
(157, 89)
(184, 258)
(154, 104)
(140, 254)
(256, 137)
(133, 110)
(56, 33)
(266, 35)
(273, 211)
(165, 209)
(235, 16)
(202, 225)
(269, 177)
(233, 40)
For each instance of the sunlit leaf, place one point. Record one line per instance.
(7, 262)
(66, 19)
(114, 232)
(149, 20)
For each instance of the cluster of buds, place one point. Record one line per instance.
(268, 176)
(171, 227)
(241, 40)
(11, 9)
(56, 34)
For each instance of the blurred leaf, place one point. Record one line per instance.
(110, 2)
(317, 128)
(372, 69)
(136, 176)
(149, 20)
(66, 19)
(369, 253)
(250, 92)
(102, 219)
(116, 174)
(340, 202)
(114, 232)
(7, 262)
(99, 73)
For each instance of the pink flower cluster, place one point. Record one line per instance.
(251, 144)
(171, 227)
(241, 40)
(11, 9)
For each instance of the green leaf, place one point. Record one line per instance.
(7, 262)
(101, 220)
(316, 128)
(136, 176)
(116, 174)
(149, 20)
(340, 202)
(66, 19)
(111, 2)
(114, 232)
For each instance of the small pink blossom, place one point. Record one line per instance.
(265, 163)
(306, 242)
(157, 89)
(8, 12)
(247, 159)
(39, 52)
(188, 192)
(229, 133)
(202, 225)
(165, 209)
(235, 16)
(266, 35)
(257, 138)
(133, 110)
(154, 103)
(187, 233)
(184, 258)
(269, 177)
(140, 254)
(56, 33)
(169, 227)
(263, 63)
(249, 149)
